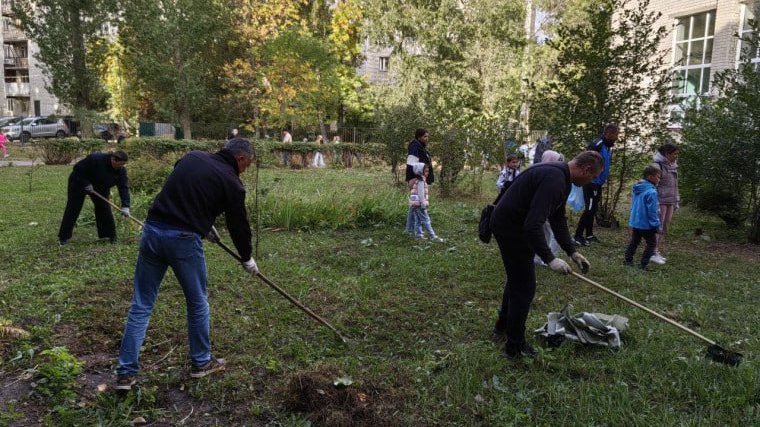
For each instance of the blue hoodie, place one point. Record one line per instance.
(645, 208)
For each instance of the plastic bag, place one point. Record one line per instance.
(575, 199)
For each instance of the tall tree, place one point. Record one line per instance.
(71, 45)
(456, 60)
(610, 69)
(174, 49)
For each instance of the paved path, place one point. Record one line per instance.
(19, 162)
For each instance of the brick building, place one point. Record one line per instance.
(702, 42)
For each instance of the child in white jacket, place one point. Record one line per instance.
(419, 202)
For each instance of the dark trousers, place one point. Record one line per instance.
(649, 236)
(592, 194)
(103, 217)
(519, 289)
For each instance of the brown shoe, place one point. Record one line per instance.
(210, 367)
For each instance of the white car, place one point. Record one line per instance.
(37, 127)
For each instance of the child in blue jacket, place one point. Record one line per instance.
(645, 216)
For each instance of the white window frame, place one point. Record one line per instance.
(709, 20)
(756, 59)
(385, 63)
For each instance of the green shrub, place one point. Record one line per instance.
(148, 173)
(159, 147)
(61, 151)
(58, 371)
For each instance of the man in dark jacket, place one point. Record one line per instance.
(97, 172)
(201, 187)
(592, 192)
(537, 195)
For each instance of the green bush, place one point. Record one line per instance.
(160, 147)
(58, 371)
(148, 173)
(61, 151)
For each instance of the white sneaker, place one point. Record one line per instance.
(657, 259)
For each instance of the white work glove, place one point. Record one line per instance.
(582, 262)
(250, 266)
(125, 212)
(560, 266)
(89, 188)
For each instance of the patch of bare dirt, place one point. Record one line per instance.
(315, 393)
(17, 402)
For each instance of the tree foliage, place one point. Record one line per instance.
(174, 49)
(609, 69)
(720, 160)
(71, 45)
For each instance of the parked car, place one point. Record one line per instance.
(37, 127)
(9, 120)
(110, 132)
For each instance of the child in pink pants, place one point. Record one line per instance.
(3, 140)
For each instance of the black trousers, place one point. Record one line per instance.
(519, 289)
(103, 216)
(592, 194)
(649, 236)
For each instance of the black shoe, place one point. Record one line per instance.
(210, 367)
(125, 381)
(628, 263)
(592, 239)
(644, 268)
(579, 241)
(499, 335)
(63, 242)
(516, 351)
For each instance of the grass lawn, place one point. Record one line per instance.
(419, 316)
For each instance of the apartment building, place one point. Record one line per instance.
(703, 42)
(377, 63)
(24, 91)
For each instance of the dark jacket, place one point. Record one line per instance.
(417, 153)
(200, 188)
(96, 169)
(538, 194)
(602, 146)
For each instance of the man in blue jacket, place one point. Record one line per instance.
(201, 187)
(97, 172)
(592, 193)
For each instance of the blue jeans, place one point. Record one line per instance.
(422, 219)
(411, 221)
(162, 246)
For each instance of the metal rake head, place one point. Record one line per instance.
(721, 355)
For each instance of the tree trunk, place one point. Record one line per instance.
(186, 124)
(78, 60)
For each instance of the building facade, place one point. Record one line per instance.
(24, 90)
(703, 42)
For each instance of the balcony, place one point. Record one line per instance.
(17, 89)
(12, 62)
(13, 34)
(7, 8)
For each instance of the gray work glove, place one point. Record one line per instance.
(251, 267)
(125, 212)
(582, 262)
(89, 188)
(560, 266)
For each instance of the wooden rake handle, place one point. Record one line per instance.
(648, 310)
(113, 205)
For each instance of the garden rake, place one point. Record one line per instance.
(714, 352)
(214, 237)
(113, 205)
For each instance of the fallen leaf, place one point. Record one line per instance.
(33, 223)
(102, 388)
(343, 382)
(139, 421)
